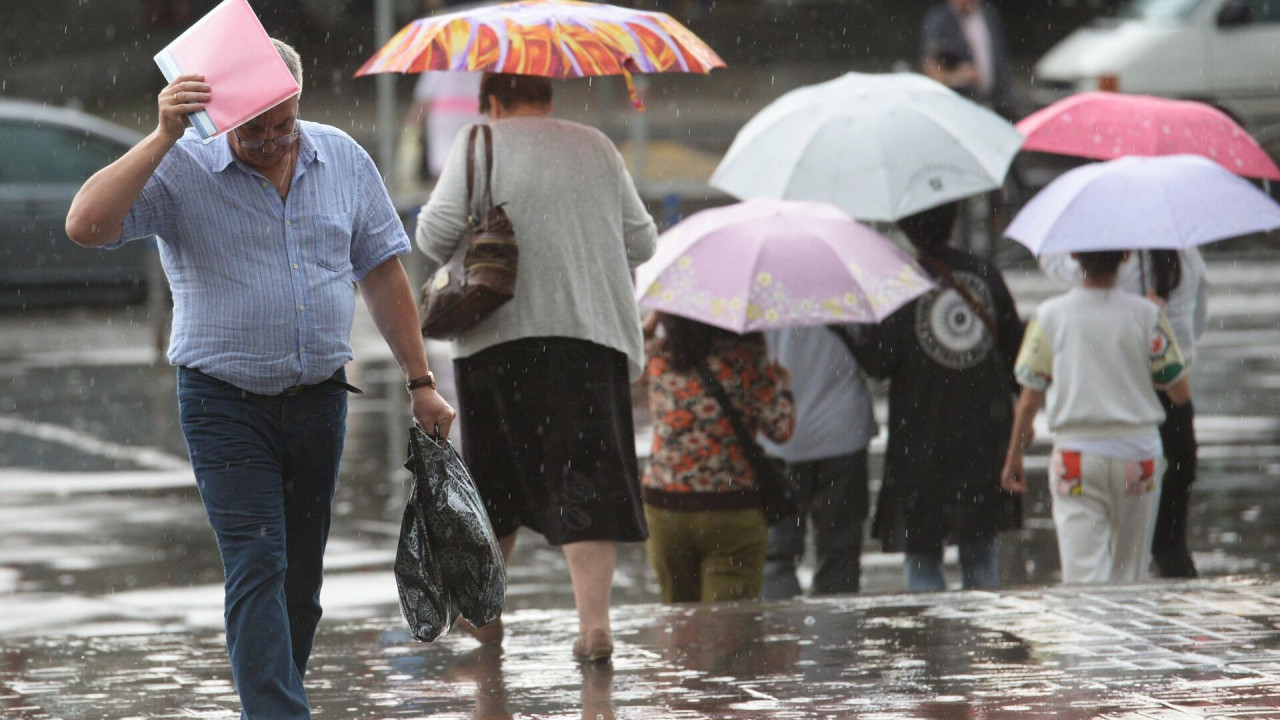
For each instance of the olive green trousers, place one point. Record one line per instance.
(709, 554)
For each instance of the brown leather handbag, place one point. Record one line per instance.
(481, 274)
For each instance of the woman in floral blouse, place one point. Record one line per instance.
(707, 533)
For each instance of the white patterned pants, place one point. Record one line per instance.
(1104, 511)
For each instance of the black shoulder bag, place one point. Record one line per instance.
(777, 498)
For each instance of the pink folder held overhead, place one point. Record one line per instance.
(245, 73)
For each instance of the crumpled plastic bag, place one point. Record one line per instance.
(447, 561)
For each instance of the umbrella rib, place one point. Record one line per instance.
(860, 291)
(564, 51)
(751, 282)
(731, 157)
(948, 128)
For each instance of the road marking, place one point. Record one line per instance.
(145, 457)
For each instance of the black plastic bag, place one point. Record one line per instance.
(448, 561)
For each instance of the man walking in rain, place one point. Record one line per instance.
(963, 45)
(262, 235)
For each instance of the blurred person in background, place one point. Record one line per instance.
(826, 461)
(963, 47)
(444, 103)
(708, 536)
(544, 383)
(1176, 280)
(948, 356)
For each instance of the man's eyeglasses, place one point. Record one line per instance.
(280, 141)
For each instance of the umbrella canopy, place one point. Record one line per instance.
(550, 38)
(879, 147)
(1136, 203)
(1106, 125)
(766, 264)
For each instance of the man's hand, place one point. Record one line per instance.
(432, 411)
(185, 95)
(98, 211)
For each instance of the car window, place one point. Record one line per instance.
(41, 153)
(1158, 9)
(1264, 11)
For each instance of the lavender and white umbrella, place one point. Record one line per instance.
(764, 264)
(1137, 203)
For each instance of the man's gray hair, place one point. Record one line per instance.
(292, 60)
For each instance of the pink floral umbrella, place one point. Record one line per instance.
(764, 264)
(1107, 125)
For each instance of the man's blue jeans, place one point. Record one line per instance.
(266, 467)
(979, 567)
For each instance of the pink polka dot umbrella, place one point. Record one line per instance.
(1107, 125)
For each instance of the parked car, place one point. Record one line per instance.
(46, 154)
(1222, 52)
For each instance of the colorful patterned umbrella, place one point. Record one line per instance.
(764, 264)
(1107, 125)
(550, 38)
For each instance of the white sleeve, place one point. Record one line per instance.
(1061, 266)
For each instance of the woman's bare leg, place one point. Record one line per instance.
(591, 565)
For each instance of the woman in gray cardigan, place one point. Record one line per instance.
(544, 382)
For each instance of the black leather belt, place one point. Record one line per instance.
(331, 380)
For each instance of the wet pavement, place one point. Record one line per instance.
(1206, 649)
(110, 588)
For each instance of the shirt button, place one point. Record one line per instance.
(302, 307)
(288, 223)
(265, 186)
(295, 266)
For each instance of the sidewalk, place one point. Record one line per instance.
(1157, 651)
(110, 601)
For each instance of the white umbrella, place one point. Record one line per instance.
(880, 147)
(1136, 203)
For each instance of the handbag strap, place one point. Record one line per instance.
(471, 165)
(488, 165)
(716, 389)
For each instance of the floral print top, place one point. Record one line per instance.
(694, 447)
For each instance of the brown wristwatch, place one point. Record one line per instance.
(427, 381)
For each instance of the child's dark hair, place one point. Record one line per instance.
(512, 90)
(689, 342)
(1100, 262)
(1166, 267)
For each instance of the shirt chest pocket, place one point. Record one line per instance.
(326, 240)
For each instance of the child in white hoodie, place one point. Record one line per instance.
(1098, 354)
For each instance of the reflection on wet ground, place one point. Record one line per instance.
(110, 586)
(1187, 650)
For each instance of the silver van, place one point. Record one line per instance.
(1222, 52)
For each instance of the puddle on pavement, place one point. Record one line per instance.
(110, 584)
(1113, 652)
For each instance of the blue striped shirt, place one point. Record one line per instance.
(262, 287)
